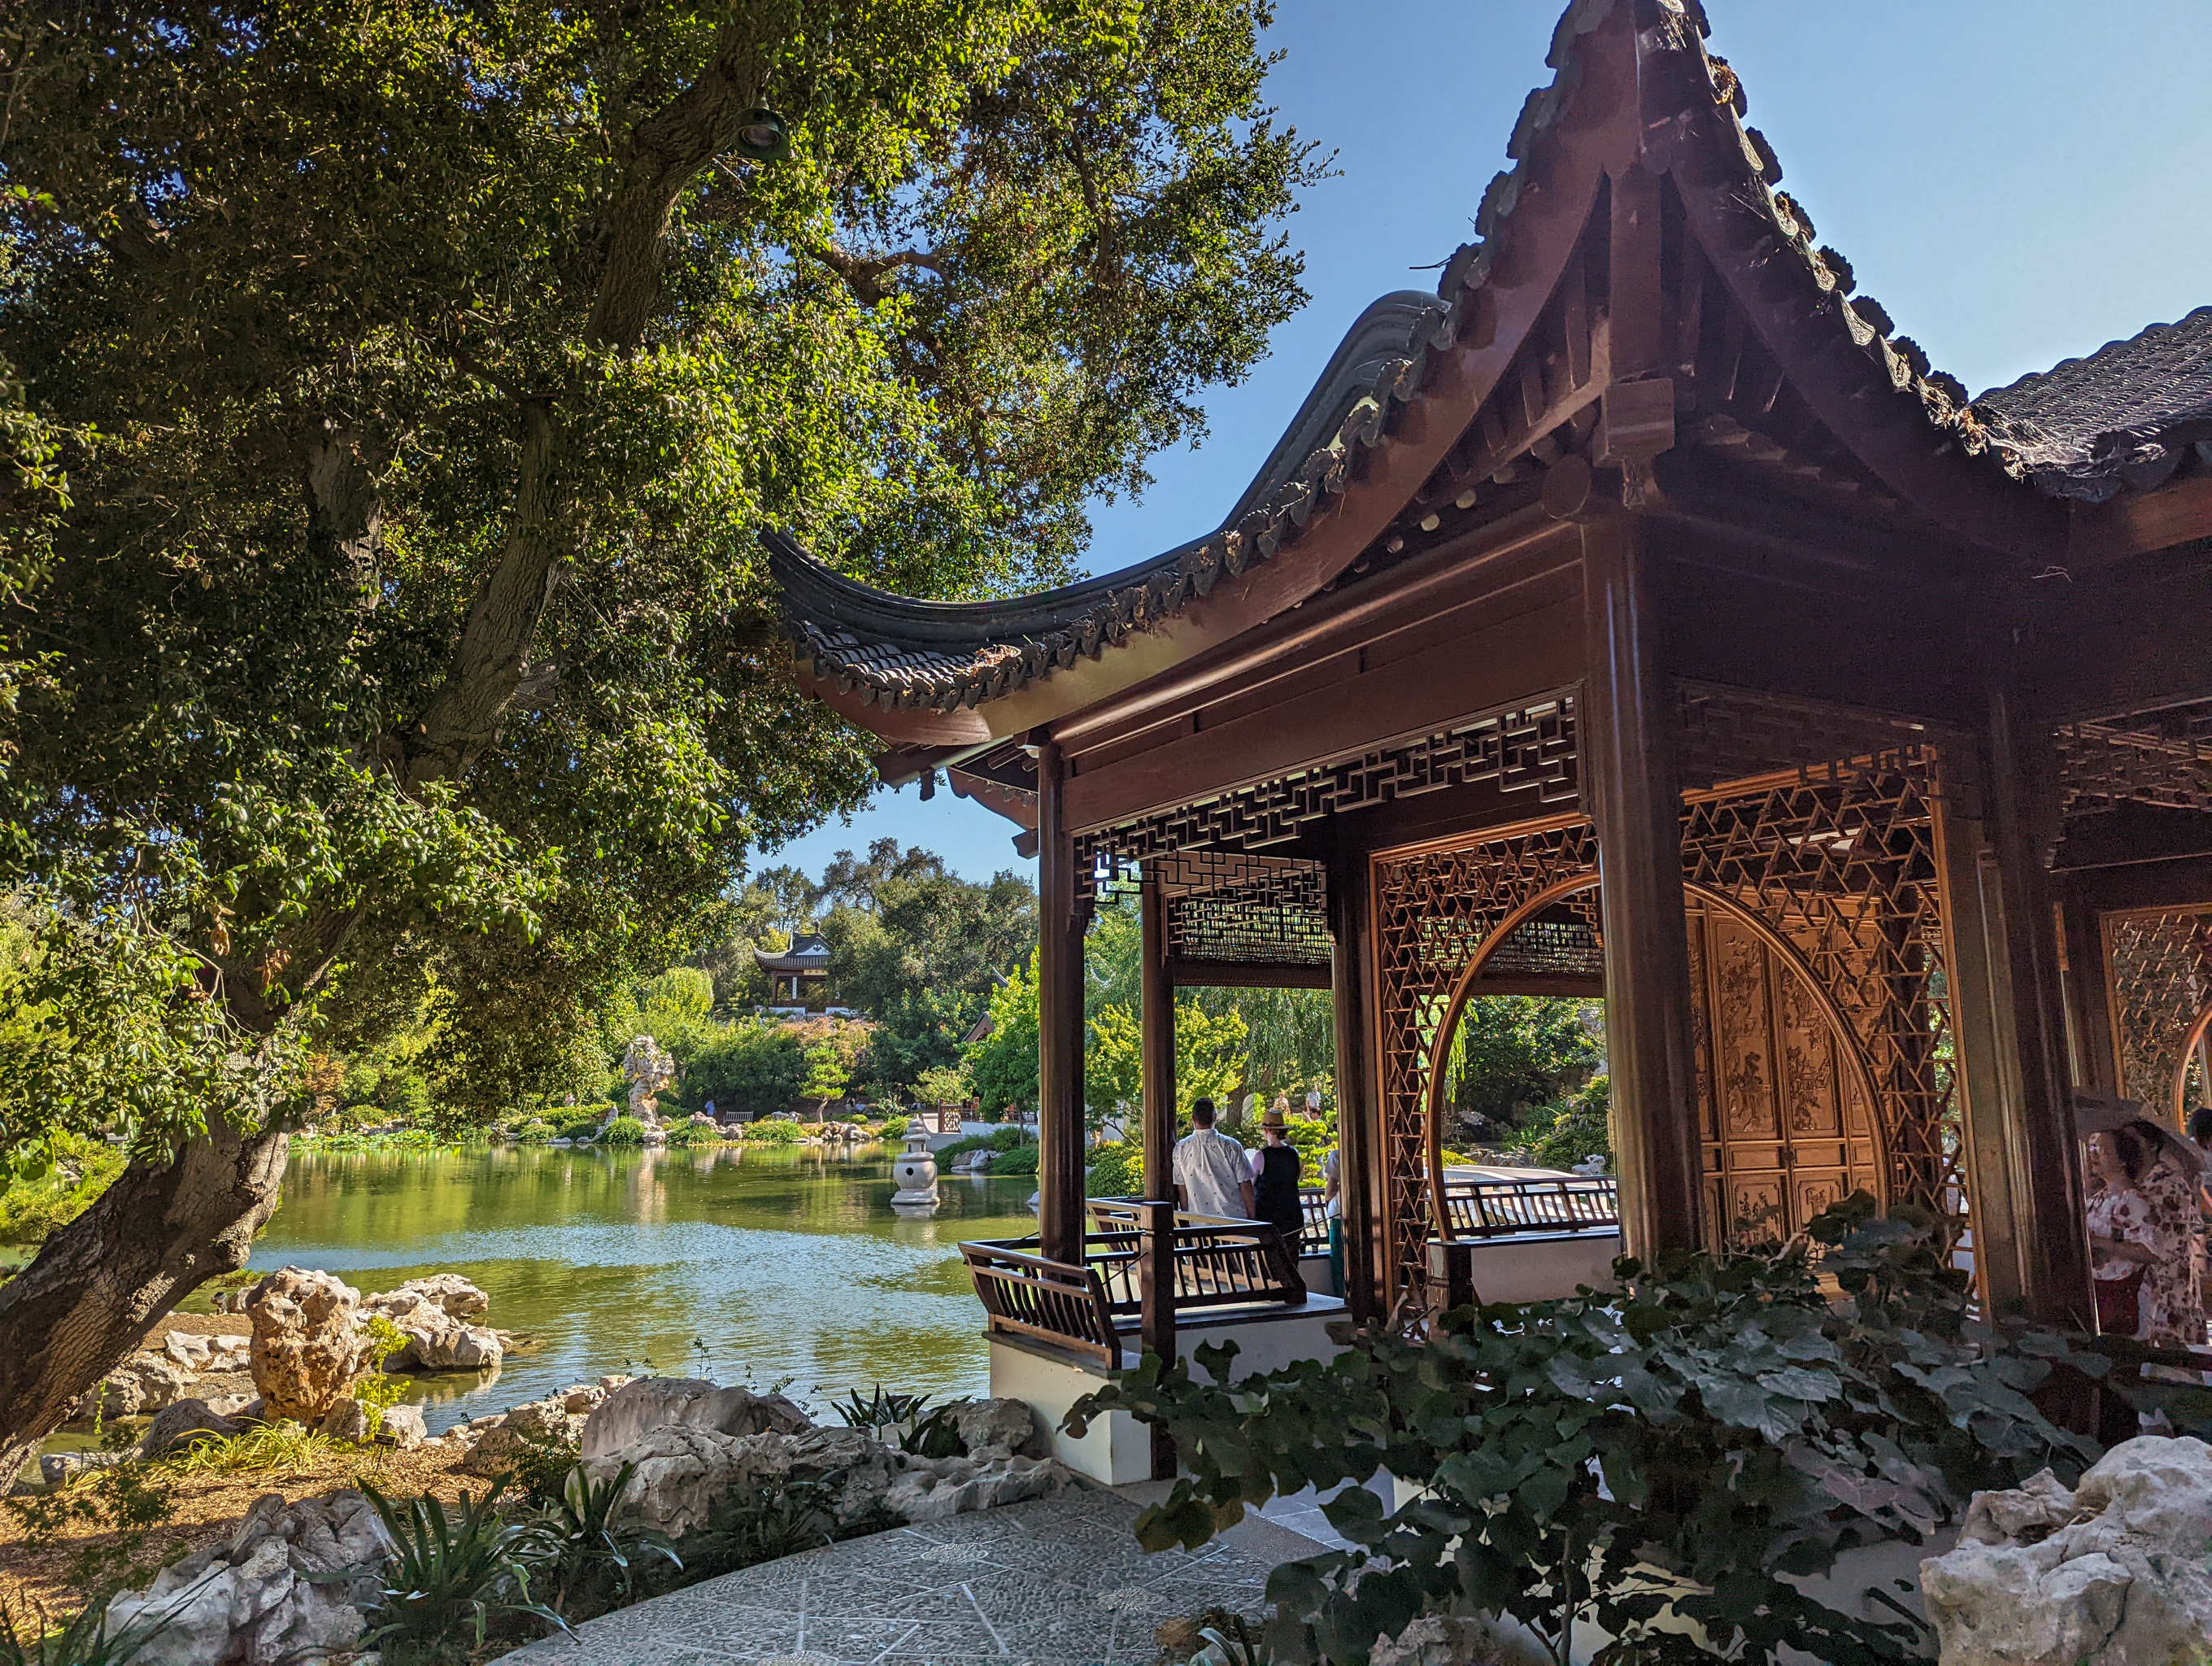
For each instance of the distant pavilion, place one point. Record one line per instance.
(1639, 615)
(800, 974)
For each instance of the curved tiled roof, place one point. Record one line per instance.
(946, 654)
(2123, 416)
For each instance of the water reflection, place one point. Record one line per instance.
(773, 1266)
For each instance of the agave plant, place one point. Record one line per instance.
(587, 1538)
(885, 1409)
(447, 1572)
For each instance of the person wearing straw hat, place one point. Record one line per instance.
(1275, 1178)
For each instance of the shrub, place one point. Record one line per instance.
(894, 1128)
(943, 1084)
(751, 1069)
(588, 1543)
(775, 1131)
(694, 1134)
(1117, 1169)
(1023, 1161)
(584, 1126)
(264, 1447)
(625, 1131)
(999, 1139)
(535, 1132)
(78, 1169)
(446, 1573)
(1560, 1136)
(1699, 1440)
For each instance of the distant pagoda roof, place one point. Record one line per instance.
(808, 953)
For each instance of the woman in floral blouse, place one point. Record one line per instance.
(2141, 1223)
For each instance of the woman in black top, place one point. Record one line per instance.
(1275, 1183)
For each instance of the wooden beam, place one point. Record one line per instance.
(1156, 1023)
(1626, 746)
(2088, 991)
(1359, 1114)
(1636, 298)
(2054, 1244)
(2126, 834)
(1240, 974)
(2136, 522)
(1060, 1020)
(2150, 885)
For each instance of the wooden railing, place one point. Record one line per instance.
(1025, 1295)
(1500, 1209)
(1217, 1264)
(1313, 1204)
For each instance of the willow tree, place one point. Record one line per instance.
(425, 373)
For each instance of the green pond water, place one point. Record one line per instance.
(767, 1265)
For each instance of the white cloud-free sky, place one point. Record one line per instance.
(2018, 182)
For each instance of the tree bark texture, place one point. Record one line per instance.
(102, 1283)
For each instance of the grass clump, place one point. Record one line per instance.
(265, 1446)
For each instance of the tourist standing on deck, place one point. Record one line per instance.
(1275, 1179)
(1210, 1175)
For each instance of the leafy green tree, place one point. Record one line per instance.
(406, 620)
(753, 1069)
(1003, 1065)
(1210, 1060)
(677, 1008)
(1514, 1052)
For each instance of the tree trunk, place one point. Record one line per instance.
(103, 1281)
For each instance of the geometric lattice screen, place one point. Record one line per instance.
(2160, 964)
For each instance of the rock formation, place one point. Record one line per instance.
(2112, 1573)
(432, 1313)
(264, 1596)
(647, 1069)
(307, 1346)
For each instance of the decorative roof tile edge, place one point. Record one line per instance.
(1102, 613)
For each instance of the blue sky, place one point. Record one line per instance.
(2017, 181)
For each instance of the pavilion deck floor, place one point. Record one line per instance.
(1059, 1582)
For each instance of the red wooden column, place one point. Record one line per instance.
(1358, 1121)
(1625, 748)
(1060, 916)
(1156, 1019)
(2024, 805)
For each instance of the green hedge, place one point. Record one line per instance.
(775, 1131)
(1023, 1161)
(1117, 1169)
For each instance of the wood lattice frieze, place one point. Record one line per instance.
(1528, 749)
(1843, 870)
(1226, 906)
(1729, 734)
(2161, 758)
(1432, 909)
(2160, 962)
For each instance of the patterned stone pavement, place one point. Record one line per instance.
(1060, 1582)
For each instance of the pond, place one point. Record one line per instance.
(779, 1267)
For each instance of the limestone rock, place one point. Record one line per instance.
(2110, 1574)
(432, 1313)
(55, 1466)
(143, 1383)
(404, 1427)
(654, 1402)
(179, 1425)
(502, 1440)
(306, 1348)
(348, 1422)
(260, 1599)
(993, 1429)
(930, 1491)
(1437, 1640)
(201, 1354)
(682, 1470)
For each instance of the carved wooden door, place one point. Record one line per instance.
(1786, 1130)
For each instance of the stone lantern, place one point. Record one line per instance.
(916, 1171)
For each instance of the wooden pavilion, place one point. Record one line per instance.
(1639, 614)
(799, 973)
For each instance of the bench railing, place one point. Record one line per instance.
(1313, 1204)
(1500, 1209)
(1026, 1295)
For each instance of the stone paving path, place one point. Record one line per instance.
(1060, 1582)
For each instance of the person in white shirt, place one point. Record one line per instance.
(1212, 1174)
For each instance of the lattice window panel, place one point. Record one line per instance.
(2162, 757)
(1844, 868)
(1277, 916)
(1570, 947)
(2160, 962)
(1432, 909)
(1530, 749)
(1730, 734)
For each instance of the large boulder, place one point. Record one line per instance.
(433, 1315)
(2112, 1573)
(502, 1441)
(683, 1470)
(930, 1490)
(266, 1595)
(404, 1427)
(146, 1381)
(656, 1403)
(994, 1429)
(307, 1349)
(181, 1425)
